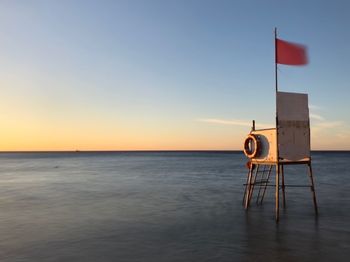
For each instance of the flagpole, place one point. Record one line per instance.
(276, 76)
(277, 148)
(276, 80)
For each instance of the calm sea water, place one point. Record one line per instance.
(166, 206)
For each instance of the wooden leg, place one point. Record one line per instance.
(253, 183)
(247, 191)
(246, 188)
(313, 188)
(283, 187)
(277, 191)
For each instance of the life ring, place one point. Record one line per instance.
(251, 146)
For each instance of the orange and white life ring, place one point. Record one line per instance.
(251, 146)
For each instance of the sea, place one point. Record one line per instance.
(167, 206)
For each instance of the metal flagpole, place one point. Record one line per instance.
(276, 81)
(277, 151)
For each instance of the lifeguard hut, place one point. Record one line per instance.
(288, 143)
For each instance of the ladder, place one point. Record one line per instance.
(258, 175)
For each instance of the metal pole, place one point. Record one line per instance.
(283, 187)
(277, 131)
(277, 209)
(276, 84)
(313, 188)
(276, 79)
(247, 191)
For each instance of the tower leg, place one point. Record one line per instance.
(253, 183)
(248, 187)
(277, 191)
(283, 187)
(313, 188)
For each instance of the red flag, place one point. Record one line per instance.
(290, 53)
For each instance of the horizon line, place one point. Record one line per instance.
(150, 150)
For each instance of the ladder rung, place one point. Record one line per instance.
(258, 182)
(261, 181)
(289, 185)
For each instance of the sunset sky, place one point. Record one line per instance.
(166, 74)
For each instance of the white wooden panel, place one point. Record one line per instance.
(293, 126)
(292, 106)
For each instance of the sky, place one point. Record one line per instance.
(166, 75)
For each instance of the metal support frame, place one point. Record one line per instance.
(259, 176)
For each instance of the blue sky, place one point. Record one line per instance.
(166, 74)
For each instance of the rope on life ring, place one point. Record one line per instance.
(251, 146)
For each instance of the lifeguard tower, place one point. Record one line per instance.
(271, 149)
